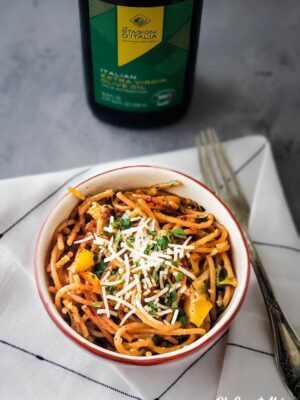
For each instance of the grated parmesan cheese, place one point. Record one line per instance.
(156, 296)
(103, 291)
(127, 316)
(175, 315)
(86, 239)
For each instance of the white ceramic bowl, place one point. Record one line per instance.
(139, 176)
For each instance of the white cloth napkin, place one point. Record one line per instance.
(37, 361)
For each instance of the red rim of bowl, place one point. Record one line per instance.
(151, 360)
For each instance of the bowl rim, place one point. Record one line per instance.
(140, 361)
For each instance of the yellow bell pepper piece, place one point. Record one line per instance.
(75, 192)
(95, 211)
(199, 286)
(196, 310)
(84, 260)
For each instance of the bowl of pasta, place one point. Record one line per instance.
(142, 265)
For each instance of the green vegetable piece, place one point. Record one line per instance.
(221, 278)
(153, 306)
(111, 289)
(182, 318)
(179, 233)
(116, 223)
(172, 299)
(122, 222)
(125, 222)
(96, 304)
(99, 268)
(148, 249)
(117, 236)
(174, 305)
(198, 220)
(129, 241)
(179, 277)
(161, 244)
(155, 276)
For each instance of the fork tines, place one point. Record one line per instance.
(217, 170)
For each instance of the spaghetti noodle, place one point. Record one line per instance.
(140, 272)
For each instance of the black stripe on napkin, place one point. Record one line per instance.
(41, 358)
(240, 346)
(280, 246)
(42, 201)
(72, 371)
(245, 164)
(239, 169)
(256, 154)
(190, 366)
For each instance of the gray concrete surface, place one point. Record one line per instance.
(247, 82)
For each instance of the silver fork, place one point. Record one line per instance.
(219, 176)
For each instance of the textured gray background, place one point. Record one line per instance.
(247, 82)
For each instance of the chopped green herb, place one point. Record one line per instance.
(129, 241)
(117, 236)
(152, 233)
(99, 268)
(179, 277)
(183, 319)
(172, 298)
(106, 233)
(155, 276)
(179, 233)
(116, 223)
(161, 243)
(96, 304)
(122, 222)
(153, 306)
(175, 263)
(111, 289)
(148, 249)
(174, 305)
(125, 222)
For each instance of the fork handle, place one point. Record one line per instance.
(286, 342)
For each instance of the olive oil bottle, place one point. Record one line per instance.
(139, 58)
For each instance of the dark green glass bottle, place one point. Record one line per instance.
(139, 58)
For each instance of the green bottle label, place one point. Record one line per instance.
(139, 54)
